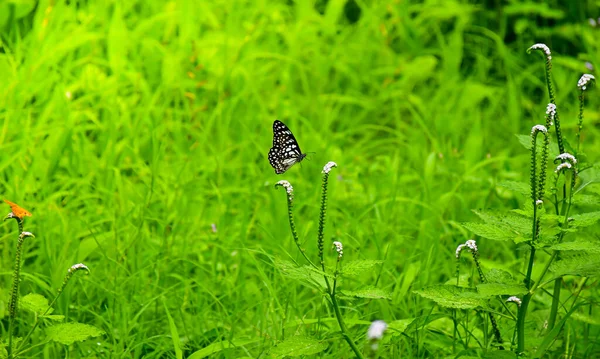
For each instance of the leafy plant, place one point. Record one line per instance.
(551, 235)
(37, 304)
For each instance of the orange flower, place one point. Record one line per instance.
(18, 211)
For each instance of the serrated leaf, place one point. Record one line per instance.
(490, 231)
(584, 219)
(517, 187)
(501, 226)
(305, 274)
(589, 247)
(35, 303)
(297, 346)
(356, 267)
(493, 289)
(368, 292)
(68, 333)
(452, 297)
(587, 265)
(496, 275)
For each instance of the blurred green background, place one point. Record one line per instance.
(130, 128)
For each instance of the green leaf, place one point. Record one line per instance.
(174, 333)
(584, 246)
(450, 296)
(222, 345)
(297, 346)
(356, 267)
(551, 336)
(493, 289)
(501, 226)
(68, 333)
(584, 219)
(34, 303)
(368, 292)
(517, 187)
(587, 265)
(307, 275)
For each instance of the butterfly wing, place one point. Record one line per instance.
(18, 210)
(285, 151)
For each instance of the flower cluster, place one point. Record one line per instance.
(288, 188)
(327, 168)
(544, 48)
(471, 244)
(551, 111)
(375, 333)
(538, 128)
(584, 80)
(567, 157)
(339, 248)
(514, 299)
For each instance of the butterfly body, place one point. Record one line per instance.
(285, 151)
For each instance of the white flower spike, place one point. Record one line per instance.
(288, 188)
(539, 202)
(539, 128)
(562, 166)
(78, 266)
(339, 248)
(584, 80)
(567, 157)
(544, 48)
(329, 166)
(514, 299)
(551, 111)
(375, 333)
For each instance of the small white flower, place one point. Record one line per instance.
(376, 330)
(78, 266)
(459, 249)
(551, 111)
(213, 227)
(329, 166)
(472, 245)
(539, 202)
(539, 128)
(26, 234)
(514, 299)
(339, 248)
(562, 166)
(592, 22)
(288, 187)
(584, 80)
(544, 48)
(567, 157)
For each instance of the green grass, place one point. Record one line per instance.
(167, 129)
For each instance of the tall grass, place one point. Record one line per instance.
(130, 128)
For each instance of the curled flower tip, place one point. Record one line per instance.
(472, 245)
(459, 249)
(10, 216)
(562, 166)
(515, 300)
(285, 184)
(566, 157)
(339, 248)
(329, 166)
(79, 266)
(543, 48)
(26, 234)
(539, 202)
(376, 330)
(584, 80)
(539, 128)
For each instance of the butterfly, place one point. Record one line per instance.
(17, 210)
(285, 151)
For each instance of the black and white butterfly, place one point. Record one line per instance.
(285, 151)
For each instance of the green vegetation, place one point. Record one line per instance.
(137, 133)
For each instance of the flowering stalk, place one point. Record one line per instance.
(16, 278)
(582, 84)
(70, 273)
(471, 245)
(290, 204)
(546, 50)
